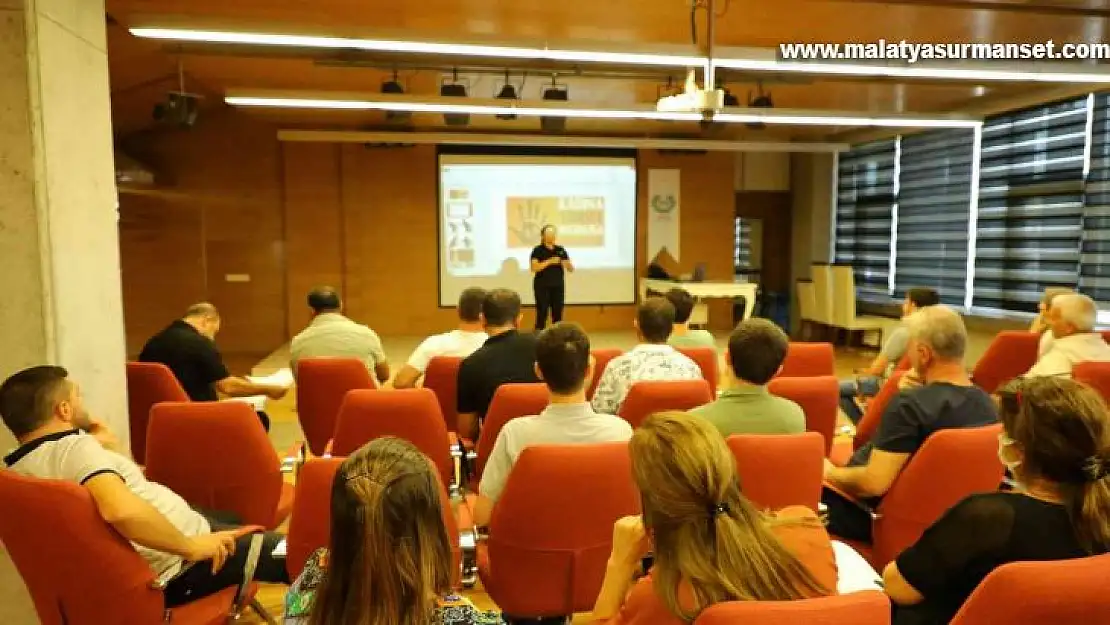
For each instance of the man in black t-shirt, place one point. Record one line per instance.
(938, 394)
(550, 263)
(507, 356)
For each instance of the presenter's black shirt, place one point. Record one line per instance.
(552, 275)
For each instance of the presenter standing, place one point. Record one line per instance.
(550, 263)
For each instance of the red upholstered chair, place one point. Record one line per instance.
(779, 470)
(859, 608)
(217, 457)
(548, 547)
(601, 360)
(651, 396)
(1010, 355)
(509, 402)
(1096, 375)
(321, 385)
(79, 570)
(819, 398)
(411, 414)
(708, 361)
(1063, 592)
(310, 525)
(905, 364)
(442, 377)
(805, 360)
(148, 383)
(842, 450)
(1105, 335)
(951, 465)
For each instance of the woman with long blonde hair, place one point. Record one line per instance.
(710, 545)
(1056, 443)
(389, 562)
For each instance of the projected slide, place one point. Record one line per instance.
(493, 207)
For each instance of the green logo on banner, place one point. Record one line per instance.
(663, 203)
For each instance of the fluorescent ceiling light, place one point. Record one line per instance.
(796, 118)
(976, 74)
(419, 47)
(471, 109)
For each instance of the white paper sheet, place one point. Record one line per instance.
(281, 377)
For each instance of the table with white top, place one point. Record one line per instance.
(704, 291)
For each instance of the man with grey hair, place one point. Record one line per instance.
(946, 398)
(1071, 319)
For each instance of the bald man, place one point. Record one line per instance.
(1071, 319)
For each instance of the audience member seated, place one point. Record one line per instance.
(868, 380)
(459, 343)
(507, 356)
(1040, 322)
(389, 559)
(1071, 320)
(564, 363)
(59, 440)
(652, 359)
(942, 397)
(709, 544)
(755, 353)
(1056, 444)
(682, 335)
(188, 348)
(332, 335)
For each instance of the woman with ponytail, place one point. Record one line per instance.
(710, 545)
(1056, 444)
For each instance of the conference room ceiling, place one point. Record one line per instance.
(142, 71)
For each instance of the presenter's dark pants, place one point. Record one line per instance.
(548, 298)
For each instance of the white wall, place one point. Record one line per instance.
(812, 182)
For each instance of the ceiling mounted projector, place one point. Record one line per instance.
(179, 109)
(693, 100)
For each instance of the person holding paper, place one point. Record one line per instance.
(549, 262)
(188, 347)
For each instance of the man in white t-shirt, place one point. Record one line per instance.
(564, 363)
(459, 343)
(59, 441)
(1071, 319)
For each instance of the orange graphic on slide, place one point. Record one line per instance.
(580, 220)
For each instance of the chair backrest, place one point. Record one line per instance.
(779, 470)
(951, 465)
(601, 360)
(321, 385)
(410, 414)
(552, 528)
(77, 569)
(1094, 374)
(509, 402)
(818, 397)
(843, 294)
(873, 414)
(1009, 355)
(708, 361)
(1062, 592)
(217, 457)
(822, 292)
(807, 300)
(858, 608)
(442, 377)
(651, 396)
(806, 360)
(310, 523)
(148, 383)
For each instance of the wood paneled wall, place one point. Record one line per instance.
(772, 208)
(381, 215)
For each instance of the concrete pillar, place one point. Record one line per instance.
(59, 250)
(813, 183)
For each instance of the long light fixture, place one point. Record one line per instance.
(729, 115)
(420, 47)
(978, 73)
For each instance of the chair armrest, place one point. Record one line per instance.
(854, 501)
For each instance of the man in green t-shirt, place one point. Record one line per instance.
(756, 350)
(681, 334)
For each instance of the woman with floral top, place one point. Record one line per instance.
(390, 561)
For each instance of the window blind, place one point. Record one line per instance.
(934, 207)
(742, 260)
(1030, 204)
(864, 214)
(1094, 265)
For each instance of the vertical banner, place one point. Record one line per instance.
(663, 212)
